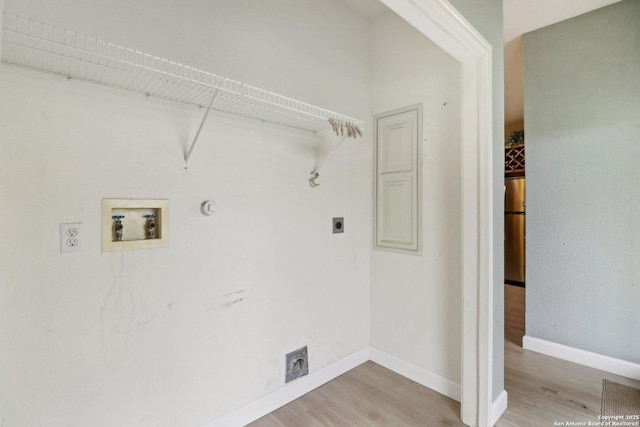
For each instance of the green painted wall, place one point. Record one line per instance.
(582, 117)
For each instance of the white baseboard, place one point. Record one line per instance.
(583, 357)
(498, 407)
(290, 392)
(302, 386)
(419, 375)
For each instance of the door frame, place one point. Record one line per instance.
(446, 27)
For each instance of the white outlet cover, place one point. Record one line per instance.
(71, 237)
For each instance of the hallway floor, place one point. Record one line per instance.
(514, 309)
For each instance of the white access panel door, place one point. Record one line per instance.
(397, 180)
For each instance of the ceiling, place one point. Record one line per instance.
(520, 17)
(523, 16)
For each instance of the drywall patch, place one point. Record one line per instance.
(230, 294)
(228, 300)
(230, 304)
(118, 309)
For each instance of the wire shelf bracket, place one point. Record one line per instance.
(56, 50)
(204, 119)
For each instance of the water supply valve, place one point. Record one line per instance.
(150, 226)
(117, 227)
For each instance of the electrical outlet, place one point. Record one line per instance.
(71, 237)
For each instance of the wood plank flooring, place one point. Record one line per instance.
(541, 389)
(514, 309)
(368, 395)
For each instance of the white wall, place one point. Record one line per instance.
(415, 300)
(151, 337)
(154, 337)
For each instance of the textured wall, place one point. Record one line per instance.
(183, 335)
(1, 9)
(582, 117)
(161, 337)
(415, 300)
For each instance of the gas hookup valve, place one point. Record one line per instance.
(117, 227)
(150, 226)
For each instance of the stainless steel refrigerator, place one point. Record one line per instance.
(514, 231)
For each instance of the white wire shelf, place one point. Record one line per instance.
(63, 52)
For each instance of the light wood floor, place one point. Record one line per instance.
(514, 307)
(541, 390)
(368, 395)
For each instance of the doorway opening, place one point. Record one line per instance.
(439, 21)
(514, 237)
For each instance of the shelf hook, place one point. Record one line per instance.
(195, 139)
(312, 181)
(320, 163)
